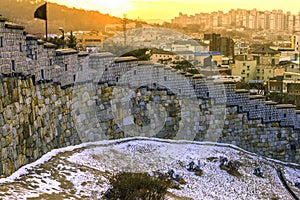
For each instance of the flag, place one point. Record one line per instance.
(41, 12)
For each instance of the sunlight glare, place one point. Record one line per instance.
(114, 7)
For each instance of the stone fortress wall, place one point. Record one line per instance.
(55, 98)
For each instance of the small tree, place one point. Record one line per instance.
(59, 42)
(128, 186)
(72, 41)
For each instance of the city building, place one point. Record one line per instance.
(288, 66)
(89, 40)
(288, 83)
(222, 44)
(264, 73)
(164, 57)
(275, 20)
(208, 58)
(246, 69)
(264, 55)
(189, 45)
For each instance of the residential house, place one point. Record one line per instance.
(89, 40)
(264, 55)
(246, 69)
(209, 58)
(288, 83)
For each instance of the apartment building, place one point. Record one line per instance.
(221, 44)
(275, 20)
(289, 83)
(246, 69)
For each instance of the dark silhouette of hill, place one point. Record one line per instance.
(21, 12)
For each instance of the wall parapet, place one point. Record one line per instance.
(41, 88)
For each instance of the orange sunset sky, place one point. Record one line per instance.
(168, 9)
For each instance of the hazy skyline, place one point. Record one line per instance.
(168, 9)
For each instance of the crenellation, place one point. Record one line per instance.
(230, 88)
(53, 98)
(271, 113)
(241, 99)
(256, 107)
(287, 114)
(219, 93)
(201, 88)
(12, 49)
(297, 119)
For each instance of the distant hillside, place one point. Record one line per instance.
(21, 11)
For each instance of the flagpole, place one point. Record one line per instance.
(46, 21)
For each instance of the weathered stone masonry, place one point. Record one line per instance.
(55, 98)
(34, 120)
(236, 116)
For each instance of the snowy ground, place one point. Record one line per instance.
(82, 172)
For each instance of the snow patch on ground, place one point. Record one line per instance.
(84, 171)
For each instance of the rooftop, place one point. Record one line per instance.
(160, 51)
(31, 37)
(125, 59)
(185, 42)
(102, 55)
(282, 106)
(13, 26)
(265, 50)
(49, 45)
(60, 52)
(183, 52)
(208, 53)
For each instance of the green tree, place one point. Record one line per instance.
(182, 65)
(71, 42)
(57, 41)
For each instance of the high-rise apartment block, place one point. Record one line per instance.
(275, 20)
